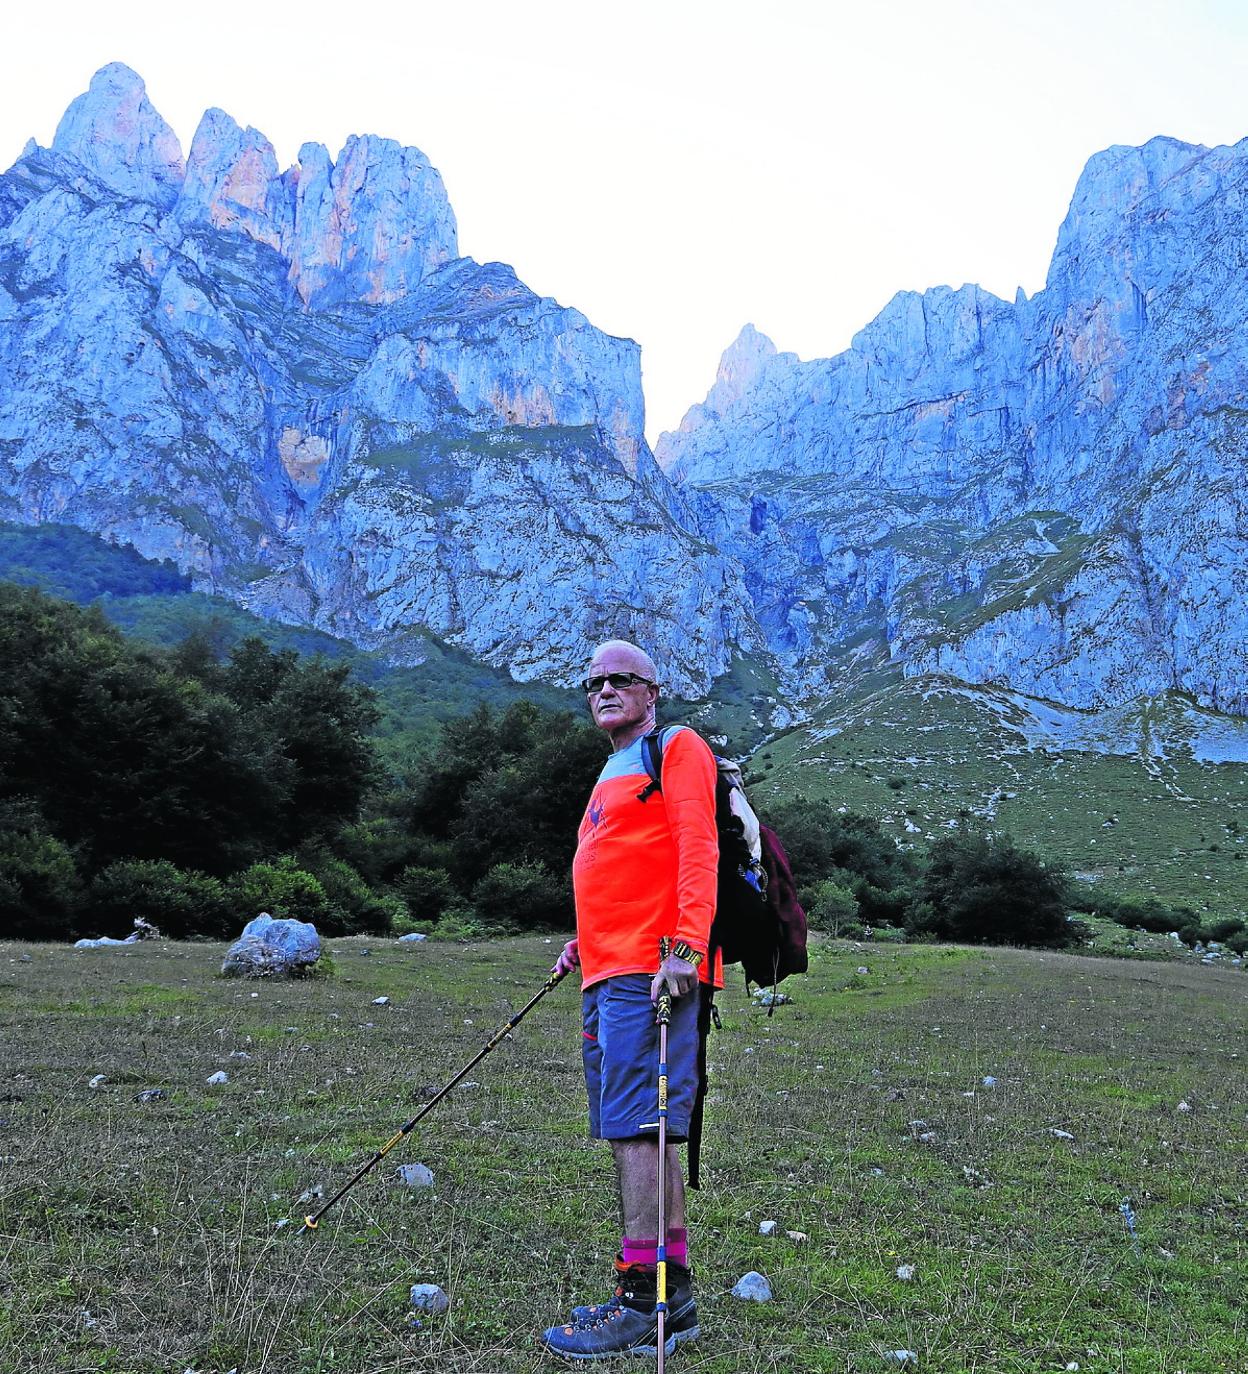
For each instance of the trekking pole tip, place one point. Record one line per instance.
(310, 1224)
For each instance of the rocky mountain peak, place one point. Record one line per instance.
(739, 367)
(232, 182)
(117, 134)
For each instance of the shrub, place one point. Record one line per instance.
(39, 885)
(460, 923)
(354, 908)
(522, 897)
(428, 892)
(833, 909)
(178, 902)
(985, 890)
(1223, 930)
(282, 889)
(377, 848)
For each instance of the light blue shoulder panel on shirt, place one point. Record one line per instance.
(630, 762)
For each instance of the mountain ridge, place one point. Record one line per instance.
(290, 384)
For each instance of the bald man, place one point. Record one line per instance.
(645, 869)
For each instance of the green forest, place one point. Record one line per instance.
(200, 774)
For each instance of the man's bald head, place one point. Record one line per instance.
(620, 656)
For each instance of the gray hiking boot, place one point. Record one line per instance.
(626, 1324)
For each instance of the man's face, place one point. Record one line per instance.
(615, 708)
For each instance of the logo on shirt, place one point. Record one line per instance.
(597, 812)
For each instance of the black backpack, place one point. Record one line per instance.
(759, 922)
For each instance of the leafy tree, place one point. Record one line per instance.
(319, 721)
(851, 850)
(282, 889)
(507, 788)
(124, 757)
(179, 903)
(426, 892)
(39, 886)
(984, 890)
(354, 908)
(833, 909)
(522, 897)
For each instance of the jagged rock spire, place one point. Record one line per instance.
(117, 134)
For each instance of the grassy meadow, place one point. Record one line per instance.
(142, 1238)
(1130, 801)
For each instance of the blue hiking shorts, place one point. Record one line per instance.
(620, 1049)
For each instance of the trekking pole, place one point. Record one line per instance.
(663, 1015)
(310, 1222)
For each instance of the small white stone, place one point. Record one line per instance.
(98, 1081)
(216, 1079)
(906, 1272)
(904, 1357)
(862, 971)
(988, 1081)
(381, 1001)
(767, 1228)
(797, 1237)
(1184, 1107)
(1060, 1135)
(418, 1176)
(752, 1287)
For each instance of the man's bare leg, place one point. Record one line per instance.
(637, 1170)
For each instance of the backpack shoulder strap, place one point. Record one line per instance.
(652, 757)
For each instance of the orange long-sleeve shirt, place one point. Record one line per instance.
(644, 870)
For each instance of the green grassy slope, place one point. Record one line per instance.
(137, 1238)
(1152, 799)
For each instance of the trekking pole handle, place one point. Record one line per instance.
(663, 1007)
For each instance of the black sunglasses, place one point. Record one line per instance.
(591, 686)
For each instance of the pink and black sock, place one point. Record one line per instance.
(646, 1251)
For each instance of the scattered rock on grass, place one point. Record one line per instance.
(415, 1175)
(98, 1081)
(1060, 1135)
(218, 1078)
(766, 1228)
(152, 1095)
(428, 1297)
(1184, 1107)
(901, 1357)
(988, 1081)
(797, 1237)
(272, 949)
(381, 1001)
(414, 938)
(752, 1287)
(906, 1272)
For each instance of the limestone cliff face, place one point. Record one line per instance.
(1048, 493)
(290, 383)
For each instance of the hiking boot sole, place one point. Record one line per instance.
(648, 1351)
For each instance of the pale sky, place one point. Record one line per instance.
(675, 169)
